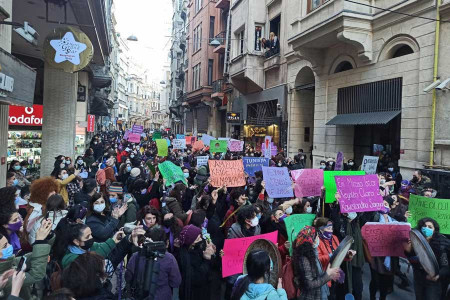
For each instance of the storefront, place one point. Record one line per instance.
(25, 135)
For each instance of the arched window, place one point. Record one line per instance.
(401, 51)
(343, 66)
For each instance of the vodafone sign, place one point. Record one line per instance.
(26, 116)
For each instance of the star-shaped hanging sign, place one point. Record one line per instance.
(68, 49)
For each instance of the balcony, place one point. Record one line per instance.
(335, 21)
(223, 4)
(247, 73)
(221, 38)
(217, 89)
(272, 62)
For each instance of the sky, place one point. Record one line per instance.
(150, 21)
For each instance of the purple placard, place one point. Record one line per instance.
(278, 182)
(359, 193)
(138, 129)
(308, 182)
(339, 165)
(127, 133)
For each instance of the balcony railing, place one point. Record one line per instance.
(217, 86)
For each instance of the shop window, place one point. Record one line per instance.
(343, 66)
(313, 4)
(307, 135)
(402, 50)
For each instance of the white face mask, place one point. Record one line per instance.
(254, 222)
(352, 215)
(322, 167)
(391, 169)
(270, 200)
(80, 161)
(289, 210)
(309, 210)
(65, 176)
(382, 181)
(99, 207)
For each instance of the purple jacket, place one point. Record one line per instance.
(169, 274)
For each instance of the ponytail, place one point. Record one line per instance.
(241, 287)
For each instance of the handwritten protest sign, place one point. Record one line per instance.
(179, 144)
(438, 209)
(359, 193)
(162, 147)
(190, 140)
(156, 136)
(386, 239)
(330, 183)
(369, 164)
(127, 133)
(134, 138)
(295, 223)
(137, 129)
(227, 172)
(202, 161)
(217, 146)
(273, 150)
(198, 145)
(339, 165)
(255, 164)
(171, 173)
(235, 146)
(206, 139)
(278, 182)
(234, 252)
(308, 182)
(181, 137)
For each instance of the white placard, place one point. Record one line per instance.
(179, 144)
(370, 164)
(202, 161)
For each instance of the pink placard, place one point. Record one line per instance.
(386, 239)
(236, 146)
(359, 193)
(308, 182)
(134, 138)
(234, 252)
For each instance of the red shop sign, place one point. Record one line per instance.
(91, 123)
(26, 116)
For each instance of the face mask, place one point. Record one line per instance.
(95, 143)
(350, 164)
(62, 166)
(7, 252)
(186, 175)
(270, 200)
(24, 168)
(15, 226)
(128, 169)
(382, 181)
(289, 210)
(391, 169)
(80, 161)
(352, 215)
(88, 244)
(98, 189)
(282, 217)
(65, 176)
(15, 182)
(17, 168)
(327, 235)
(385, 210)
(280, 164)
(309, 210)
(68, 162)
(427, 232)
(99, 207)
(322, 167)
(143, 191)
(258, 216)
(254, 222)
(112, 199)
(132, 155)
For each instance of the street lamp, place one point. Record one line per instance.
(215, 43)
(132, 38)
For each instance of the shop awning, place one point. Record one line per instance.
(373, 118)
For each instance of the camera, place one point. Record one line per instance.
(153, 250)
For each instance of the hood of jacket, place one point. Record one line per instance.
(258, 291)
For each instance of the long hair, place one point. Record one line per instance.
(64, 238)
(303, 250)
(41, 188)
(258, 265)
(178, 192)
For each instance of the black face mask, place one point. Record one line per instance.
(168, 223)
(200, 246)
(88, 244)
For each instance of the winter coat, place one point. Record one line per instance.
(82, 198)
(263, 291)
(175, 208)
(235, 231)
(103, 227)
(311, 279)
(55, 217)
(130, 215)
(102, 249)
(62, 190)
(194, 269)
(36, 265)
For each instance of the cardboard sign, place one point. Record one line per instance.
(236, 146)
(278, 182)
(198, 145)
(181, 137)
(386, 239)
(137, 129)
(179, 144)
(206, 139)
(295, 223)
(202, 161)
(227, 172)
(369, 164)
(190, 140)
(330, 183)
(438, 209)
(234, 252)
(171, 172)
(162, 147)
(339, 165)
(218, 146)
(255, 164)
(359, 193)
(273, 150)
(134, 138)
(156, 136)
(308, 182)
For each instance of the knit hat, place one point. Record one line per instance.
(135, 172)
(189, 234)
(110, 162)
(306, 235)
(115, 189)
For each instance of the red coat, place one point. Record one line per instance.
(120, 155)
(324, 250)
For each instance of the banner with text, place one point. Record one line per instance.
(330, 183)
(236, 146)
(181, 137)
(227, 172)
(134, 138)
(308, 182)
(369, 164)
(137, 129)
(386, 239)
(171, 173)
(438, 209)
(255, 164)
(179, 144)
(278, 182)
(202, 161)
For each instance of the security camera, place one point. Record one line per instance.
(28, 33)
(278, 106)
(443, 85)
(432, 86)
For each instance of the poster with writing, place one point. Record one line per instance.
(190, 140)
(359, 193)
(273, 149)
(330, 183)
(234, 252)
(179, 144)
(162, 147)
(295, 223)
(156, 136)
(181, 137)
(127, 133)
(339, 165)
(171, 173)
(267, 147)
(198, 145)
(254, 164)
(227, 172)
(386, 239)
(134, 138)
(278, 182)
(206, 139)
(202, 160)
(217, 146)
(137, 129)
(369, 164)
(308, 182)
(235, 146)
(438, 209)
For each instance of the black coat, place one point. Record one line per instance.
(194, 271)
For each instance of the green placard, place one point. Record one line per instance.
(330, 183)
(171, 172)
(162, 148)
(295, 223)
(156, 136)
(437, 209)
(218, 146)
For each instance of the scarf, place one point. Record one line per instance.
(76, 250)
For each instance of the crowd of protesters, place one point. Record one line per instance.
(87, 230)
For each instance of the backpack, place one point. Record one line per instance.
(287, 273)
(100, 176)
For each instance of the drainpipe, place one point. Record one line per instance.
(435, 75)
